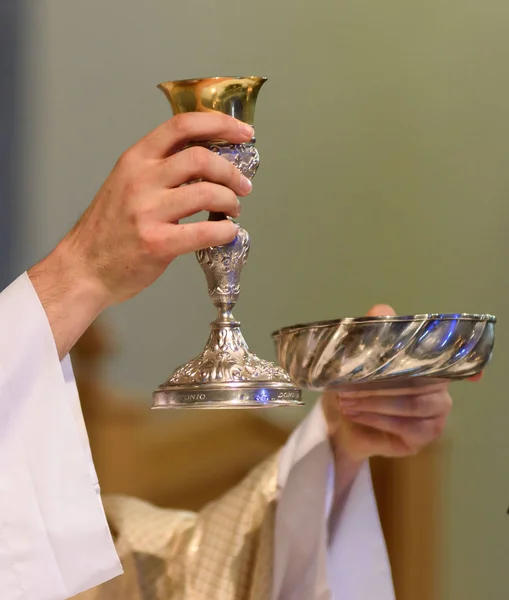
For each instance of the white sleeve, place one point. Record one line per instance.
(311, 562)
(54, 537)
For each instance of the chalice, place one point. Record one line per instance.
(226, 374)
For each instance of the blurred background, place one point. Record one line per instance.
(384, 139)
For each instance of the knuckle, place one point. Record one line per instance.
(203, 194)
(436, 428)
(446, 403)
(412, 432)
(159, 246)
(201, 236)
(142, 213)
(196, 196)
(125, 158)
(232, 198)
(129, 159)
(417, 406)
(200, 158)
(133, 188)
(150, 242)
(225, 197)
(180, 123)
(422, 429)
(424, 432)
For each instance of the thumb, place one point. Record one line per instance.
(381, 310)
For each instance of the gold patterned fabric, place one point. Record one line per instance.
(225, 552)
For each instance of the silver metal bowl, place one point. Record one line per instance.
(385, 351)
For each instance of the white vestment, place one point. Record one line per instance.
(54, 537)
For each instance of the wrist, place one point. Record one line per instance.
(347, 463)
(71, 297)
(346, 468)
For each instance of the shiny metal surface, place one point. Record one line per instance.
(235, 96)
(226, 374)
(379, 352)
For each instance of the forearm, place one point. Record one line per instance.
(71, 300)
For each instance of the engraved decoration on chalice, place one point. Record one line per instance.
(226, 374)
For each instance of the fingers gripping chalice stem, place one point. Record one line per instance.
(226, 374)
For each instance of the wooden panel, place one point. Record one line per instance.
(408, 494)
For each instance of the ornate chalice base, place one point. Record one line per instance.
(226, 374)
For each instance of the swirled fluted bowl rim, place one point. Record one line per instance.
(387, 319)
